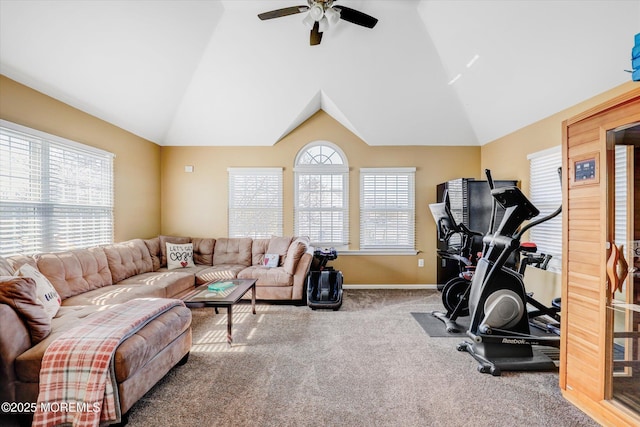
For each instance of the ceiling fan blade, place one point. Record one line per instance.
(356, 17)
(316, 35)
(283, 12)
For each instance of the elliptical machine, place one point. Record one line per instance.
(499, 329)
(455, 292)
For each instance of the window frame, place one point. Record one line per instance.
(273, 203)
(545, 193)
(405, 239)
(44, 206)
(334, 172)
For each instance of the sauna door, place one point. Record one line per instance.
(623, 266)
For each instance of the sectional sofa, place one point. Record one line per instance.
(94, 279)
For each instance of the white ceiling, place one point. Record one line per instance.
(211, 73)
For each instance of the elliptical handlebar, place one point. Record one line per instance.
(494, 206)
(487, 172)
(469, 232)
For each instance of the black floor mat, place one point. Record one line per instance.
(435, 328)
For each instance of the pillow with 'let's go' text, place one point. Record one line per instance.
(179, 255)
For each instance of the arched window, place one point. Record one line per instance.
(321, 202)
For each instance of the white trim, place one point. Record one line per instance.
(379, 252)
(30, 132)
(387, 218)
(546, 194)
(324, 168)
(334, 171)
(390, 286)
(253, 171)
(322, 142)
(255, 202)
(547, 152)
(388, 170)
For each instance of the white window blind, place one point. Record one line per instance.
(322, 195)
(255, 202)
(387, 208)
(546, 195)
(55, 194)
(621, 186)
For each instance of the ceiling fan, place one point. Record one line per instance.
(322, 14)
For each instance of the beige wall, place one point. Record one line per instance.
(136, 163)
(507, 156)
(195, 203)
(153, 194)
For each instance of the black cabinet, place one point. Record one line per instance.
(470, 201)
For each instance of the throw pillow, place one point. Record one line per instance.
(271, 260)
(20, 294)
(279, 245)
(45, 291)
(163, 246)
(179, 255)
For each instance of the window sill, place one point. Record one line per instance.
(379, 252)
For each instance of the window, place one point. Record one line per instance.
(622, 155)
(546, 195)
(322, 195)
(387, 208)
(255, 202)
(55, 194)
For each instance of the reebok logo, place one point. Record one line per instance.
(513, 341)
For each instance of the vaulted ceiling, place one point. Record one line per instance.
(432, 72)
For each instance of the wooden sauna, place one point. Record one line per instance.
(600, 340)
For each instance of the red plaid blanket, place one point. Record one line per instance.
(77, 377)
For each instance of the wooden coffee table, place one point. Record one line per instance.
(203, 297)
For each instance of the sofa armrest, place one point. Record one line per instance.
(300, 276)
(14, 340)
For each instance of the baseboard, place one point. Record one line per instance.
(389, 286)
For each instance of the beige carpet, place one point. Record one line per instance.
(368, 364)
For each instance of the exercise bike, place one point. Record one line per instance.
(500, 330)
(456, 290)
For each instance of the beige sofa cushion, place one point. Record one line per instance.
(218, 272)
(234, 251)
(154, 251)
(133, 353)
(203, 250)
(17, 261)
(127, 259)
(258, 249)
(267, 276)
(297, 248)
(113, 294)
(5, 268)
(75, 272)
(168, 283)
(20, 294)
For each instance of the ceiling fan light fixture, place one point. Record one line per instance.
(308, 21)
(332, 15)
(323, 24)
(316, 12)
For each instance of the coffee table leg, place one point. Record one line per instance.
(253, 298)
(229, 314)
